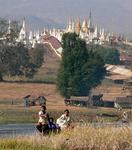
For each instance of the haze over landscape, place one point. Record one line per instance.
(113, 15)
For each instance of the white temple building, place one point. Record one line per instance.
(23, 34)
(85, 30)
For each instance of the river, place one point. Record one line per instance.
(13, 130)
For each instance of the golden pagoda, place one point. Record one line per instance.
(85, 26)
(77, 26)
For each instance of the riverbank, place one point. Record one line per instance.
(86, 138)
(20, 114)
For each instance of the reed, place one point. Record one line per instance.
(79, 138)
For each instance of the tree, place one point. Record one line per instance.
(13, 58)
(80, 69)
(16, 60)
(37, 55)
(2, 68)
(109, 55)
(22, 62)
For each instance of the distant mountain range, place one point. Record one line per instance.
(113, 15)
(34, 22)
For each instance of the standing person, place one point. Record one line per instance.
(42, 125)
(64, 121)
(125, 117)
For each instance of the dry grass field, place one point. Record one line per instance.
(16, 91)
(17, 113)
(19, 90)
(86, 138)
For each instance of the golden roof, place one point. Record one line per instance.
(84, 26)
(77, 26)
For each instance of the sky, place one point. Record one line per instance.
(113, 15)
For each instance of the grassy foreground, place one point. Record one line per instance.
(87, 138)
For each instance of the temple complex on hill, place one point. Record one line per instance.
(85, 30)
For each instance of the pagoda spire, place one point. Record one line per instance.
(24, 24)
(96, 32)
(77, 26)
(9, 27)
(30, 35)
(70, 25)
(90, 26)
(85, 26)
(22, 34)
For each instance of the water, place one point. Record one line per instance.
(12, 130)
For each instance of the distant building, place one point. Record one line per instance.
(84, 101)
(118, 74)
(33, 100)
(53, 42)
(119, 70)
(124, 102)
(78, 101)
(86, 31)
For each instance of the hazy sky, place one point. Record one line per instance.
(113, 15)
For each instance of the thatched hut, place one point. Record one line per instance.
(33, 100)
